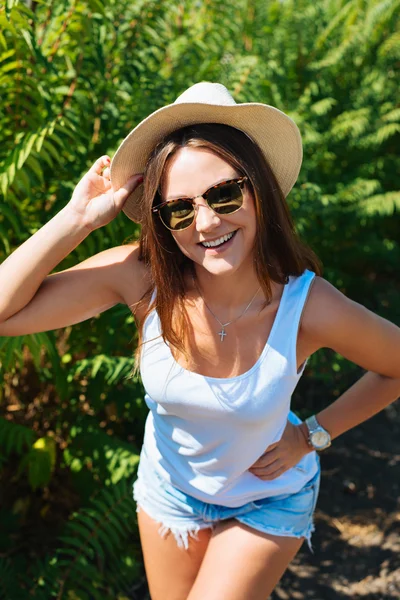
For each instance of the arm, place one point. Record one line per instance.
(87, 289)
(364, 338)
(332, 320)
(31, 300)
(369, 395)
(22, 273)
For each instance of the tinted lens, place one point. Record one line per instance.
(226, 198)
(177, 214)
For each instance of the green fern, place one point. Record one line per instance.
(350, 124)
(110, 458)
(8, 578)
(390, 48)
(86, 562)
(114, 368)
(15, 438)
(382, 204)
(12, 349)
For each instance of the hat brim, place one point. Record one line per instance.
(276, 134)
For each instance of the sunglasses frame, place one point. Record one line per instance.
(238, 180)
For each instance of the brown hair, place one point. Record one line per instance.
(278, 250)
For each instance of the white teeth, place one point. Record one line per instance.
(219, 241)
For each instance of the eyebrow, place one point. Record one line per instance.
(210, 186)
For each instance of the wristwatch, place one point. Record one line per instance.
(319, 438)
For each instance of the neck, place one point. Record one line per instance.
(227, 293)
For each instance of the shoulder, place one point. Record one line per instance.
(130, 277)
(327, 313)
(332, 320)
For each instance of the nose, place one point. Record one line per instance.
(206, 219)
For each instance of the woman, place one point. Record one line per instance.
(229, 306)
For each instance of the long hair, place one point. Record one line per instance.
(278, 251)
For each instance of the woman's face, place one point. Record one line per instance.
(190, 172)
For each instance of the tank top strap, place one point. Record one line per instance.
(285, 339)
(153, 296)
(151, 325)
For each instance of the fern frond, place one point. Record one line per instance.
(111, 458)
(357, 190)
(13, 348)
(322, 107)
(390, 48)
(7, 579)
(15, 438)
(350, 123)
(392, 116)
(336, 19)
(115, 368)
(338, 54)
(91, 541)
(381, 204)
(381, 135)
(378, 14)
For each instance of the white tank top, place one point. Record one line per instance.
(203, 433)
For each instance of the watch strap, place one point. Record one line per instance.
(312, 423)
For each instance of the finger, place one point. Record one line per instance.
(100, 164)
(106, 173)
(267, 458)
(133, 182)
(272, 446)
(273, 475)
(262, 466)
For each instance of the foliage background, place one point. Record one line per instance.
(75, 78)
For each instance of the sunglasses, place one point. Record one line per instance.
(224, 198)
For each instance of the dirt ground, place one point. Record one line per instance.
(357, 538)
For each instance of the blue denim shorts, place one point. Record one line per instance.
(183, 515)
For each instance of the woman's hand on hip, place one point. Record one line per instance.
(282, 455)
(95, 200)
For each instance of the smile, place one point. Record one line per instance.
(219, 241)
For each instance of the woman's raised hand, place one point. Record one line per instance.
(94, 198)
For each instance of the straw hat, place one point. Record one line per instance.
(274, 132)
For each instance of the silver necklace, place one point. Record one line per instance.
(222, 333)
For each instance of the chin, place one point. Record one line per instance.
(221, 267)
(218, 269)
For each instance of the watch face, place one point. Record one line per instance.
(320, 438)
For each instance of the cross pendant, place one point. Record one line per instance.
(222, 334)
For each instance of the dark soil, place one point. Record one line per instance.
(357, 538)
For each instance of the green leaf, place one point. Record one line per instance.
(41, 462)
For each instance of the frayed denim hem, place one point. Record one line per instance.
(282, 532)
(181, 534)
(182, 529)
